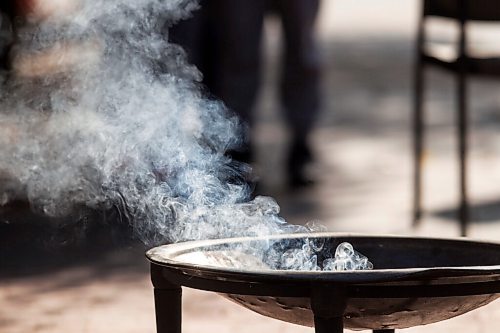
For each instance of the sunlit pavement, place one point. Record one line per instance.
(364, 174)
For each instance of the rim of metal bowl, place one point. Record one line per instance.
(162, 255)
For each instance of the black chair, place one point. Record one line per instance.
(462, 60)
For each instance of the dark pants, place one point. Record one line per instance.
(6, 31)
(228, 34)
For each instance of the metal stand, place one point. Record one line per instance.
(459, 67)
(328, 304)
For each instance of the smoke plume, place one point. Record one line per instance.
(101, 111)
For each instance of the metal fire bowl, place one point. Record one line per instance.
(416, 281)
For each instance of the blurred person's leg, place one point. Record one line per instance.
(300, 81)
(196, 35)
(239, 33)
(6, 32)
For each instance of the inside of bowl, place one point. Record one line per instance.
(383, 252)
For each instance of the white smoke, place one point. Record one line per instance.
(102, 111)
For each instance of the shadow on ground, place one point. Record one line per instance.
(31, 244)
(485, 212)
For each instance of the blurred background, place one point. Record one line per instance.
(362, 181)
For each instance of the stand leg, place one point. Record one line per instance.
(418, 143)
(168, 309)
(462, 120)
(463, 210)
(168, 303)
(328, 305)
(328, 325)
(418, 128)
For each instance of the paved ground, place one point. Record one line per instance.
(363, 147)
